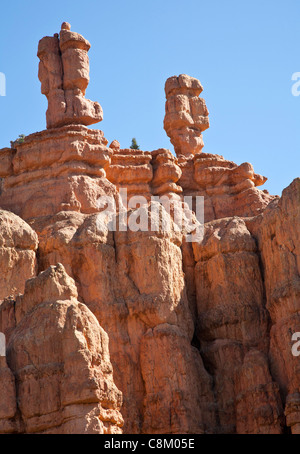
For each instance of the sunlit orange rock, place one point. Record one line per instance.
(186, 114)
(277, 232)
(166, 174)
(131, 170)
(113, 320)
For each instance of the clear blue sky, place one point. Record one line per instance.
(244, 53)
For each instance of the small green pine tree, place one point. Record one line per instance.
(20, 139)
(134, 145)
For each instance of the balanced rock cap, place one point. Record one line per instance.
(66, 26)
(183, 82)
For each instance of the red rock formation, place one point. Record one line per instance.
(18, 243)
(186, 114)
(64, 75)
(257, 401)
(8, 401)
(232, 319)
(277, 232)
(191, 337)
(56, 170)
(129, 296)
(58, 362)
(131, 170)
(228, 189)
(166, 174)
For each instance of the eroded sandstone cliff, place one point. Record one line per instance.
(138, 329)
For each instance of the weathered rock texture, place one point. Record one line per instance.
(277, 232)
(139, 330)
(228, 189)
(59, 375)
(232, 327)
(61, 169)
(131, 170)
(64, 75)
(18, 245)
(186, 114)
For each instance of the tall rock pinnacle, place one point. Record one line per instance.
(64, 76)
(186, 114)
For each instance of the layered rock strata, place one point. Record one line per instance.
(18, 245)
(131, 170)
(60, 169)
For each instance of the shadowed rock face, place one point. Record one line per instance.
(141, 331)
(58, 372)
(18, 245)
(186, 114)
